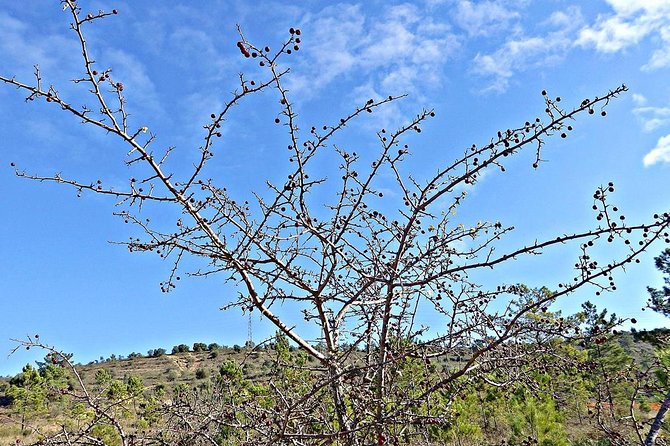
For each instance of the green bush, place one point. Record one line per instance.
(106, 434)
(181, 348)
(134, 385)
(102, 376)
(171, 375)
(231, 370)
(159, 352)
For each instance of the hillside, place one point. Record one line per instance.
(181, 367)
(555, 406)
(176, 368)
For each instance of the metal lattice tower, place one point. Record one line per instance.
(250, 338)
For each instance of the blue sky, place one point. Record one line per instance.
(480, 64)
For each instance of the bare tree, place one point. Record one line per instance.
(359, 265)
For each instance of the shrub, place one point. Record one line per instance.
(171, 375)
(103, 376)
(181, 348)
(134, 385)
(106, 434)
(231, 370)
(199, 347)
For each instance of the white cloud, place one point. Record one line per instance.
(335, 34)
(129, 70)
(521, 53)
(565, 19)
(613, 34)
(630, 22)
(652, 118)
(660, 153)
(398, 52)
(199, 48)
(565, 22)
(639, 99)
(21, 48)
(660, 57)
(196, 107)
(11, 25)
(483, 18)
(629, 7)
(59, 58)
(430, 27)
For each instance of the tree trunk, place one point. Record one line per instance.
(340, 406)
(658, 421)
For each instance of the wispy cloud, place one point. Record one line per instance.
(401, 51)
(59, 58)
(133, 73)
(639, 99)
(660, 153)
(652, 118)
(630, 22)
(484, 18)
(520, 53)
(199, 48)
(21, 48)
